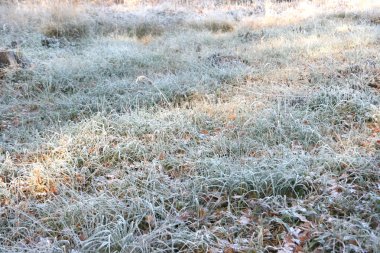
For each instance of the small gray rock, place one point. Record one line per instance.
(54, 42)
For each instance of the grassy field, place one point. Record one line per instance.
(191, 128)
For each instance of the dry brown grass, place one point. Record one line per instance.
(67, 20)
(213, 25)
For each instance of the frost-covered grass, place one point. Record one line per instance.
(168, 129)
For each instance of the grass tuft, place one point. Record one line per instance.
(215, 26)
(67, 21)
(145, 29)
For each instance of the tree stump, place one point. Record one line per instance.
(9, 59)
